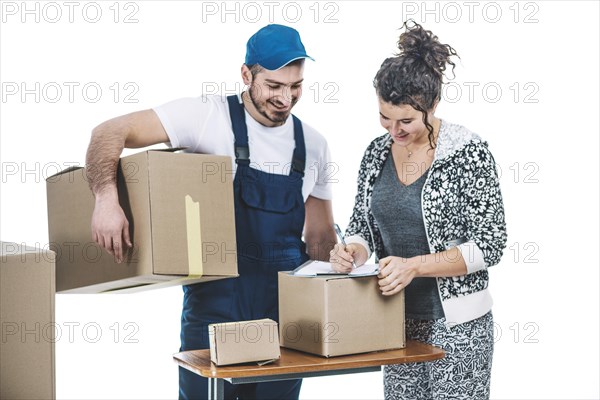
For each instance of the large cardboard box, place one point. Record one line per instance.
(244, 341)
(337, 315)
(27, 321)
(181, 214)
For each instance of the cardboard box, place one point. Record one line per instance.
(27, 320)
(244, 341)
(337, 315)
(181, 215)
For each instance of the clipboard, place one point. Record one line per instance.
(313, 268)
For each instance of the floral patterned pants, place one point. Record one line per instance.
(464, 373)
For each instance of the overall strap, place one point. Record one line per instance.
(299, 156)
(240, 130)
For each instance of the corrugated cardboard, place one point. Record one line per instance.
(27, 321)
(181, 215)
(244, 341)
(337, 315)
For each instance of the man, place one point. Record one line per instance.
(280, 189)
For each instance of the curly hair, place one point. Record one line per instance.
(415, 75)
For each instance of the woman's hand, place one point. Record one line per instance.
(396, 273)
(342, 257)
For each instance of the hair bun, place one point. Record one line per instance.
(418, 43)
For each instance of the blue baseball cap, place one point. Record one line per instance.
(275, 46)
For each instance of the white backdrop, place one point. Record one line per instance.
(527, 82)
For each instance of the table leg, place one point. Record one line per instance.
(216, 389)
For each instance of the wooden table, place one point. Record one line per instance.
(296, 364)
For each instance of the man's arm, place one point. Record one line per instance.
(110, 227)
(318, 228)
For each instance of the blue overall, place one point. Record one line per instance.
(269, 216)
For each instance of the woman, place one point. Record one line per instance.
(429, 206)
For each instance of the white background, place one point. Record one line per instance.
(533, 67)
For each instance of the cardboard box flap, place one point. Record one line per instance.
(170, 149)
(79, 167)
(16, 249)
(64, 171)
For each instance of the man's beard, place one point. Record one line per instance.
(277, 117)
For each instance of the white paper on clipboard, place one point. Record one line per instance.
(316, 268)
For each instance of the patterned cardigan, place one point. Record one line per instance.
(461, 204)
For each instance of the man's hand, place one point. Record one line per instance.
(318, 228)
(110, 228)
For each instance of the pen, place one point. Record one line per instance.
(339, 233)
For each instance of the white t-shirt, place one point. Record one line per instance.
(202, 124)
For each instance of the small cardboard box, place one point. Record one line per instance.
(27, 319)
(337, 315)
(244, 341)
(181, 215)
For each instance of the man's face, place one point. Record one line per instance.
(274, 93)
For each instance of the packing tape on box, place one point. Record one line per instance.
(194, 236)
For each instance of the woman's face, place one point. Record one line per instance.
(404, 123)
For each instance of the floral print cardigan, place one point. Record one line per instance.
(462, 206)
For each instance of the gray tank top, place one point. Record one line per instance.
(397, 210)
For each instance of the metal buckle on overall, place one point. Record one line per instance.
(298, 166)
(242, 154)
